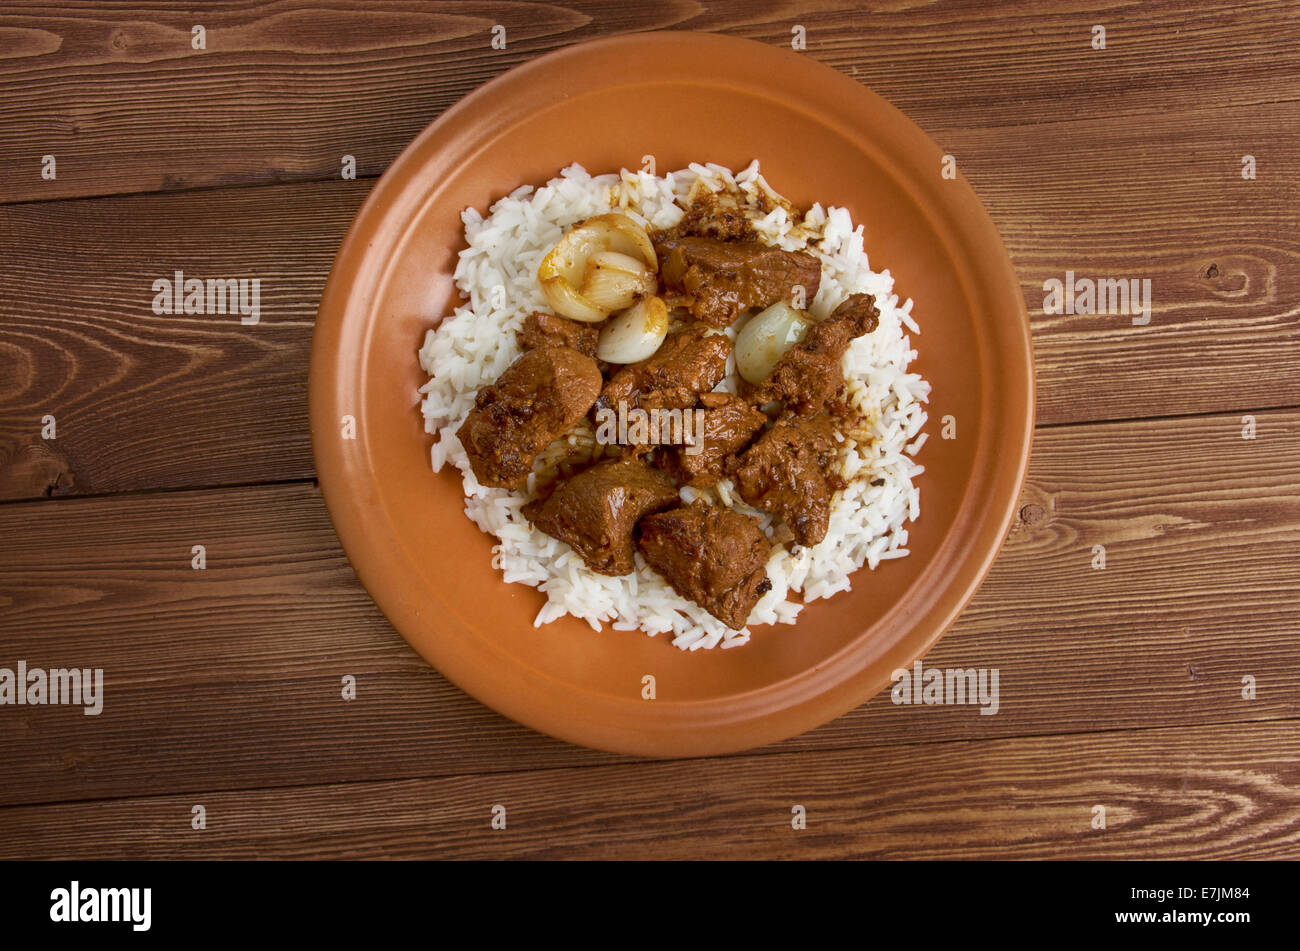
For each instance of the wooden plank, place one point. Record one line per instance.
(1225, 792)
(146, 401)
(283, 90)
(231, 676)
(1153, 199)
(143, 401)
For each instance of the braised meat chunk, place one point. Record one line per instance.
(861, 313)
(714, 215)
(714, 556)
(596, 510)
(809, 374)
(547, 330)
(537, 398)
(723, 278)
(788, 472)
(686, 364)
(730, 423)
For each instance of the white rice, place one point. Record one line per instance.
(497, 276)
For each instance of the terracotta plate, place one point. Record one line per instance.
(680, 97)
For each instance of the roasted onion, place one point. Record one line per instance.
(613, 281)
(766, 337)
(610, 257)
(634, 334)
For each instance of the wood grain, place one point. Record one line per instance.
(231, 676)
(142, 400)
(284, 90)
(1158, 198)
(134, 393)
(1225, 792)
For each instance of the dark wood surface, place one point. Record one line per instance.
(1121, 687)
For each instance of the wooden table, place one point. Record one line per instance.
(1128, 686)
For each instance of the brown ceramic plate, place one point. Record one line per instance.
(680, 97)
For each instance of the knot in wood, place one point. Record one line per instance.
(1032, 514)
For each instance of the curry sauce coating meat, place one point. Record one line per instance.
(730, 424)
(714, 215)
(537, 398)
(723, 278)
(596, 510)
(548, 330)
(809, 374)
(789, 472)
(714, 556)
(686, 364)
